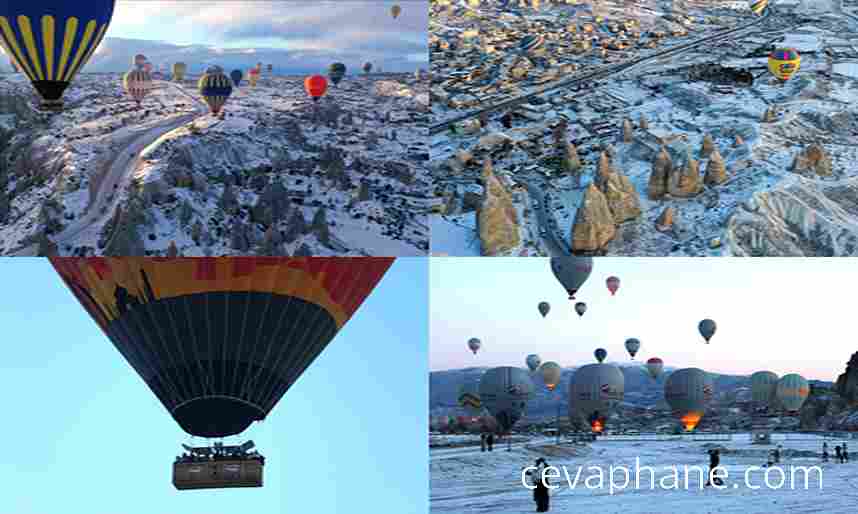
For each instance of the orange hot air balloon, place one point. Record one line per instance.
(316, 85)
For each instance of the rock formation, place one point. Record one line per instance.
(665, 220)
(662, 168)
(644, 124)
(708, 146)
(686, 182)
(814, 159)
(571, 161)
(847, 383)
(622, 197)
(594, 223)
(628, 131)
(497, 219)
(716, 172)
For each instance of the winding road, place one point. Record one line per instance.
(119, 170)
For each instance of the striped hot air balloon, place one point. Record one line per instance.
(215, 89)
(758, 6)
(179, 70)
(52, 40)
(137, 83)
(784, 63)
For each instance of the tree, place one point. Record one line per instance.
(297, 226)
(228, 201)
(364, 193)
(628, 131)
(320, 226)
(186, 212)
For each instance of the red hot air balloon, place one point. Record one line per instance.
(613, 284)
(316, 85)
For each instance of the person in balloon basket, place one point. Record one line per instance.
(714, 461)
(483, 442)
(490, 440)
(540, 485)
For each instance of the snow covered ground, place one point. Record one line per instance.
(104, 177)
(466, 480)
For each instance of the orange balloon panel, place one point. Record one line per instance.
(220, 340)
(316, 85)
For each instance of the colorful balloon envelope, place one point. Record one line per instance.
(572, 272)
(52, 40)
(758, 6)
(474, 344)
(580, 308)
(233, 333)
(316, 85)
(253, 76)
(395, 11)
(707, 329)
(137, 83)
(784, 63)
(147, 67)
(791, 392)
(688, 391)
(236, 77)
(544, 308)
(763, 387)
(654, 367)
(533, 361)
(215, 89)
(179, 70)
(139, 61)
(594, 391)
(632, 346)
(551, 375)
(600, 354)
(504, 392)
(367, 67)
(613, 283)
(336, 72)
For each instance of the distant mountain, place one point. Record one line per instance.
(640, 389)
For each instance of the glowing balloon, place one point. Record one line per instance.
(316, 85)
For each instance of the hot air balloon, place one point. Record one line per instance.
(688, 391)
(572, 272)
(233, 333)
(147, 67)
(613, 284)
(580, 308)
(632, 346)
(533, 361)
(215, 89)
(469, 398)
(792, 391)
(707, 329)
(367, 67)
(179, 70)
(600, 354)
(137, 83)
(270, 68)
(52, 40)
(474, 344)
(758, 6)
(763, 387)
(139, 61)
(504, 392)
(336, 72)
(551, 375)
(253, 76)
(214, 68)
(315, 86)
(395, 11)
(544, 307)
(654, 366)
(236, 76)
(594, 391)
(784, 63)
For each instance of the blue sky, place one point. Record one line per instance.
(83, 433)
(295, 36)
(784, 315)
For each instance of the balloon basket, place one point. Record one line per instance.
(51, 105)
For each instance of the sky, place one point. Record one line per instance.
(83, 433)
(295, 36)
(783, 315)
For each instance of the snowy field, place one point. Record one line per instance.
(469, 481)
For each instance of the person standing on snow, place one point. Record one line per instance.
(845, 453)
(490, 440)
(824, 452)
(714, 462)
(837, 455)
(483, 442)
(540, 483)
